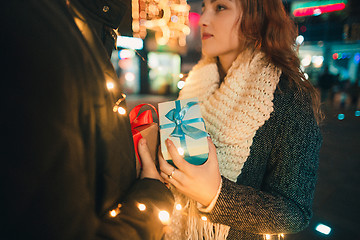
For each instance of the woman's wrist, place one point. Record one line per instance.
(207, 209)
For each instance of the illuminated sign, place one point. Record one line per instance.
(130, 42)
(315, 8)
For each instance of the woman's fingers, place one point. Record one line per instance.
(212, 148)
(149, 168)
(178, 160)
(169, 171)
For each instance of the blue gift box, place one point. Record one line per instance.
(181, 122)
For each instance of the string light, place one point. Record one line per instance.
(121, 111)
(178, 207)
(142, 207)
(164, 217)
(113, 213)
(117, 107)
(110, 85)
(204, 218)
(181, 151)
(116, 211)
(280, 236)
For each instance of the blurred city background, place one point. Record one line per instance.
(160, 43)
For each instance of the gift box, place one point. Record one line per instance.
(181, 122)
(143, 126)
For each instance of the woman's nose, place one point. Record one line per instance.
(203, 20)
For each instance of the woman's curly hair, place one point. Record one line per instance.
(265, 25)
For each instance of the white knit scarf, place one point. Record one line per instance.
(232, 113)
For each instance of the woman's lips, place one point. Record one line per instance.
(206, 36)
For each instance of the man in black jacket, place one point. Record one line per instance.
(67, 159)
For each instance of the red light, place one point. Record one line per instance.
(335, 56)
(194, 18)
(308, 11)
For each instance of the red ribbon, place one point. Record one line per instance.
(144, 118)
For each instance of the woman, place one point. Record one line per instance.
(262, 115)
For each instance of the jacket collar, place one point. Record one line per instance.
(109, 12)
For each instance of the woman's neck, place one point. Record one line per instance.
(222, 71)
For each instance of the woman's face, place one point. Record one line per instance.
(219, 23)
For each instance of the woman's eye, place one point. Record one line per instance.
(220, 7)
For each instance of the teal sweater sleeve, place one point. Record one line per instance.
(274, 192)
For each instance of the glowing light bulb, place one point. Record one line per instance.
(180, 84)
(121, 110)
(323, 229)
(203, 218)
(164, 217)
(299, 39)
(181, 151)
(306, 76)
(178, 207)
(112, 213)
(142, 207)
(110, 85)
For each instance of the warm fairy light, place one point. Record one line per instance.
(113, 213)
(116, 211)
(300, 39)
(267, 236)
(181, 151)
(110, 85)
(178, 206)
(164, 217)
(306, 76)
(203, 218)
(180, 84)
(141, 207)
(121, 110)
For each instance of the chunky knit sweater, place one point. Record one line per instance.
(274, 192)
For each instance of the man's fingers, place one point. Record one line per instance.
(149, 168)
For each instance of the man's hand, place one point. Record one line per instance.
(148, 164)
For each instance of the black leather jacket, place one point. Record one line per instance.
(66, 158)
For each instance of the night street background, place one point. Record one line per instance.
(337, 193)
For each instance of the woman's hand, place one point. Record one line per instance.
(148, 164)
(200, 183)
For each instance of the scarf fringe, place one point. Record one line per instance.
(187, 223)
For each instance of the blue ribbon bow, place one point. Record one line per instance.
(182, 129)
